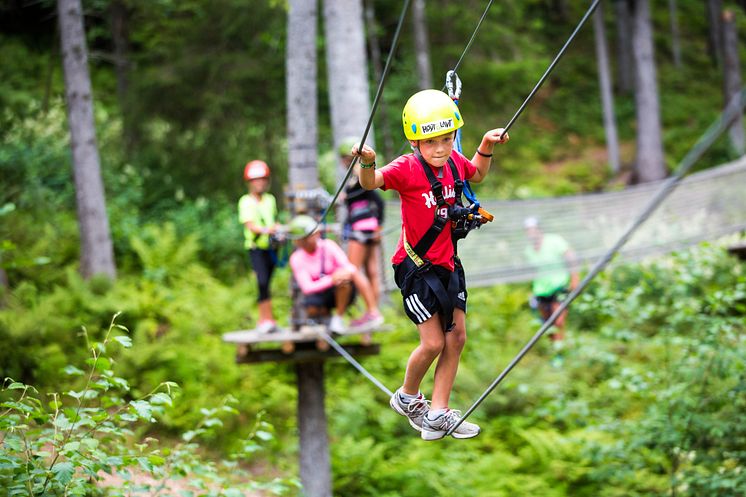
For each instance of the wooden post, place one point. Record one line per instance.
(732, 78)
(315, 467)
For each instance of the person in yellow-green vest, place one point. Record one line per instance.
(257, 212)
(556, 276)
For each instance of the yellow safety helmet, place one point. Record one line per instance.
(430, 113)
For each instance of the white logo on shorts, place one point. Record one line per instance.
(461, 295)
(415, 307)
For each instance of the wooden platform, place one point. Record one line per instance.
(739, 250)
(305, 352)
(305, 334)
(305, 345)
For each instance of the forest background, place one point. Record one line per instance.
(187, 92)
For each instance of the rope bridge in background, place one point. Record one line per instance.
(705, 206)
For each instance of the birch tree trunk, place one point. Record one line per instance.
(302, 117)
(375, 58)
(675, 37)
(96, 251)
(649, 163)
(302, 102)
(732, 78)
(421, 45)
(607, 97)
(625, 67)
(347, 69)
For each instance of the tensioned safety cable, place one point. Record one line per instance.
(695, 153)
(463, 54)
(341, 351)
(473, 36)
(551, 66)
(546, 74)
(374, 108)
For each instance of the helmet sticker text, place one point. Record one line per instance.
(435, 126)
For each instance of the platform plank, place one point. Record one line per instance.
(282, 335)
(305, 334)
(305, 352)
(739, 250)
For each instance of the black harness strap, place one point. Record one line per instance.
(445, 295)
(432, 234)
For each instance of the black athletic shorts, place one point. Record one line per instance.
(419, 299)
(325, 298)
(557, 296)
(366, 237)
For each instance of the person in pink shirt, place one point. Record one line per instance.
(363, 222)
(328, 279)
(426, 266)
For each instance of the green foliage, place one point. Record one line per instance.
(649, 400)
(652, 391)
(68, 444)
(687, 316)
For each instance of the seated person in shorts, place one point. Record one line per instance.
(328, 279)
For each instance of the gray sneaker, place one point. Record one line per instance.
(435, 429)
(415, 410)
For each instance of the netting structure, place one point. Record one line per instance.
(705, 206)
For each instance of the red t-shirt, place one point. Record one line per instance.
(418, 203)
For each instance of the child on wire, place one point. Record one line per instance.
(426, 268)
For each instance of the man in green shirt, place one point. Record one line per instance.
(554, 262)
(257, 212)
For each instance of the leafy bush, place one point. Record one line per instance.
(67, 445)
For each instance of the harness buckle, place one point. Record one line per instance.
(425, 267)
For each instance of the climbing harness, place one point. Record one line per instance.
(461, 219)
(456, 88)
(695, 153)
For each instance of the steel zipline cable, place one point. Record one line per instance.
(549, 70)
(473, 36)
(379, 92)
(341, 351)
(695, 153)
(374, 108)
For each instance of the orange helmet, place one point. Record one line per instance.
(256, 169)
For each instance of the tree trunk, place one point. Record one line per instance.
(375, 56)
(560, 8)
(302, 112)
(421, 45)
(347, 67)
(649, 161)
(625, 67)
(119, 22)
(607, 97)
(97, 254)
(315, 467)
(675, 37)
(732, 78)
(714, 35)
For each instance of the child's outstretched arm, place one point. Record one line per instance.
(370, 179)
(483, 156)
